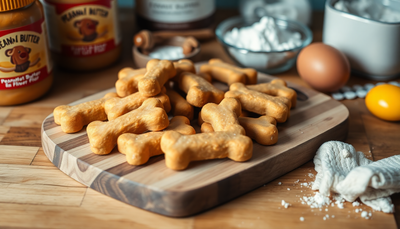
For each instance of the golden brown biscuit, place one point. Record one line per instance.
(181, 124)
(276, 87)
(189, 44)
(138, 148)
(263, 129)
(157, 74)
(73, 118)
(128, 81)
(205, 76)
(184, 65)
(206, 128)
(199, 91)
(224, 117)
(116, 107)
(228, 73)
(179, 106)
(180, 149)
(149, 116)
(260, 103)
(130, 71)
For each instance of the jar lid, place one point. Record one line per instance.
(6, 5)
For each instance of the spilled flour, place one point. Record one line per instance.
(345, 175)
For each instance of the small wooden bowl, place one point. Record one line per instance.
(140, 59)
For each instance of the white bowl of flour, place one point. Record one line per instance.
(269, 45)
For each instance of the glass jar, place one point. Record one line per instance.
(84, 34)
(174, 14)
(25, 66)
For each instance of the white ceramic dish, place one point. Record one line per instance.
(372, 47)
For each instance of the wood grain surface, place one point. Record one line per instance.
(204, 184)
(36, 194)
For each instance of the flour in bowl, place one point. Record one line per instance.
(264, 35)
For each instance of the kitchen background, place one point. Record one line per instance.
(317, 4)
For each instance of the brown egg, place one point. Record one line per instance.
(323, 67)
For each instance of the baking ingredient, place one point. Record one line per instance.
(264, 35)
(167, 52)
(344, 171)
(323, 67)
(285, 204)
(384, 11)
(25, 66)
(383, 102)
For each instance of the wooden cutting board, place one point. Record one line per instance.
(317, 118)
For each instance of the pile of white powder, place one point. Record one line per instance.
(371, 9)
(264, 35)
(321, 203)
(167, 53)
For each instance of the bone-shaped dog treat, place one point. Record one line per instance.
(181, 124)
(276, 87)
(199, 91)
(179, 106)
(180, 149)
(128, 81)
(138, 148)
(116, 107)
(150, 116)
(251, 74)
(205, 76)
(189, 44)
(260, 103)
(157, 74)
(206, 128)
(263, 129)
(224, 117)
(73, 118)
(184, 65)
(130, 71)
(228, 73)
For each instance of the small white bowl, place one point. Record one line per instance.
(372, 47)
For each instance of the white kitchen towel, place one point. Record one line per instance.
(344, 171)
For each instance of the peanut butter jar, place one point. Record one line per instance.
(25, 64)
(84, 35)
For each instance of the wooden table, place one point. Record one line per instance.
(35, 194)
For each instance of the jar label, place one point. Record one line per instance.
(175, 11)
(24, 57)
(83, 29)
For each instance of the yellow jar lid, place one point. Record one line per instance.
(6, 5)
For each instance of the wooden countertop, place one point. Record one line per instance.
(35, 194)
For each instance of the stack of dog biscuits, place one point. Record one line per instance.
(150, 114)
